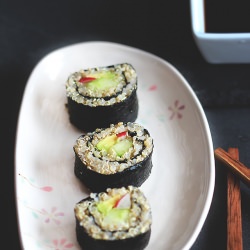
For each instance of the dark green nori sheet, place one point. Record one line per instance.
(88, 118)
(96, 182)
(86, 242)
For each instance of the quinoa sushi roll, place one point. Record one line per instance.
(97, 97)
(118, 218)
(119, 155)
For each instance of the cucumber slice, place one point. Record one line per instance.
(122, 146)
(111, 144)
(106, 143)
(103, 82)
(116, 216)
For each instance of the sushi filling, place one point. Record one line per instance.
(102, 86)
(114, 149)
(118, 213)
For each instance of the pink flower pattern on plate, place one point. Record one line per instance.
(52, 215)
(153, 87)
(62, 244)
(176, 110)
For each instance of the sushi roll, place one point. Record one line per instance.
(118, 218)
(119, 155)
(97, 97)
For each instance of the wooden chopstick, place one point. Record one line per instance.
(234, 164)
(234, 218)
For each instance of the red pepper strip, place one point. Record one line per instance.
(122, 134)
(117, 201)
(87, 79)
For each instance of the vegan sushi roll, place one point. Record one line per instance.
(118, 218)
(119, 155)
(97, 97)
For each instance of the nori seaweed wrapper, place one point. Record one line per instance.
(86, 242)
(100, 111)
(135, 175)
(89, 118)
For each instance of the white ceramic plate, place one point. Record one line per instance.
(181, 184)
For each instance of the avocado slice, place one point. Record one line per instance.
(113, 144)
(106, 143)
(103, 82)
(105, 206)
(111, 214)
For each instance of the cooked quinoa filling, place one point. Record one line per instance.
(102, 86)
(108, 161)
(118, 213)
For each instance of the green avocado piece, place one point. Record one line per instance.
(105, 206)
(122, 146)
(111, 214)
(104, 81)
(106, 143)
(113, 144)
